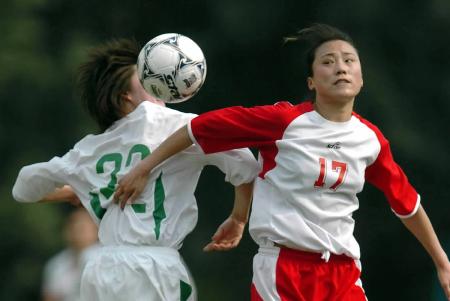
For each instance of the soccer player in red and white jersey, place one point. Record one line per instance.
(316, 157)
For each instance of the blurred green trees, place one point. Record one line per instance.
(403, 46)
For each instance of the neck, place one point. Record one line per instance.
(336, 112)
(127, 108)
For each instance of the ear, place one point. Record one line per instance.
(126, 96)
(310, 82)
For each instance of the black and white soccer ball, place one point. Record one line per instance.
(171, 67)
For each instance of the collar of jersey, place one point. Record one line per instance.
(318, 119)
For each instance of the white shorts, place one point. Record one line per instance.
(138, 273)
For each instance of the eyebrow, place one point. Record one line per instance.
(333, 53)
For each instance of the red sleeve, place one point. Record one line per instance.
(386, 175)
(238, 127)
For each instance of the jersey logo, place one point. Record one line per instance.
(336, 145)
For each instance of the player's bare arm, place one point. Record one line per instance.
(133, 183)
(229, 233)
(420, 225)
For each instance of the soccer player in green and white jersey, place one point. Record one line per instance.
(139, 257)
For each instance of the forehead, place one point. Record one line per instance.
(335, 47)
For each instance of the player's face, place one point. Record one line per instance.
(337, 75)
(137, 93)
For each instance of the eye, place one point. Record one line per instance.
(349, 60)
(327, 62)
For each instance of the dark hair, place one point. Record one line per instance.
(316, 35)
(104, 77)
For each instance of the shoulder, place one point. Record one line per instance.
(147, 116)
(276, 116)
(372, 127)
(286, 106)
(149, 107)
(288, 112)
(156, 114)
(285, 110)
(298, 109)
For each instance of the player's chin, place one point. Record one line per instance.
(342, 95)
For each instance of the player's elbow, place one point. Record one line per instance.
(18, 196)
(20, 191)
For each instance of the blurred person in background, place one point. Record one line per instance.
(316, 157)
(62, 272)
(138, 258)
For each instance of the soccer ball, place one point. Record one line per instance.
(171, 67)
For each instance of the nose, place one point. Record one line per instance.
(341, 67)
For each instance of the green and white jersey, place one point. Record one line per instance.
(166, 211)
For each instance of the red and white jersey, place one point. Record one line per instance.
(166, 211)
(312, 170)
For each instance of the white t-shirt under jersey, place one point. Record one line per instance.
(166, 211)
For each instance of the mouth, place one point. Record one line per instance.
(342, 81)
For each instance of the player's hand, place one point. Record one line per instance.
(63, 194)
(444, 279)
(70, 196)
(75, 201)
(227, 236)
(130, 187)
